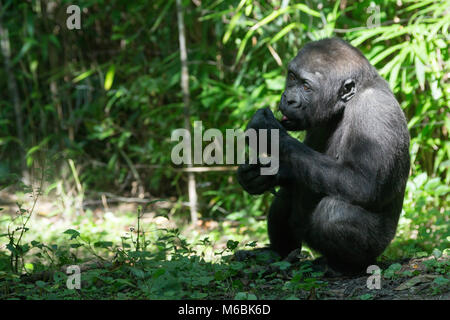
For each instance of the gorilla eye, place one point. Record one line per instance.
(291, 76)
(306, 87)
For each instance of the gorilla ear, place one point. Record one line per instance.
(347, 90)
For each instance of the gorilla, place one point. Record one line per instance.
(341, 190)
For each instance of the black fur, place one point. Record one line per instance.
(341, 189)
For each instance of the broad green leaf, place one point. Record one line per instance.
(72, 232)
(437, 253)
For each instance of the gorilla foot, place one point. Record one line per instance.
(295, 256)
(321, 265)
(331, 270)
(263, 255)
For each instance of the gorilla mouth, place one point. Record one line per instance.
(291, 124)
(285, 121)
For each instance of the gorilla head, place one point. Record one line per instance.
(321, 81)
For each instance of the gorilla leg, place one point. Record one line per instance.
(283, 238)
(349, 236)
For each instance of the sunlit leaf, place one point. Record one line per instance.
(109, 77)
(82, 76)
(420, 72)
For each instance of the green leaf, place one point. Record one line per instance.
(276, 84)
(161, 15)
(231, 245)
(58, 276)
(420, 179)
(231, 26)
(73, 233)
(124, 282)
(283, 32)
(305, 9)
(29, 267)
(420, 72)
(25, 48)
(109, 79)
(11, 248)
(282, 265)
(437, 253)
(198, 295)
(82, 76)
(158, 273)
(137, 272)
(245, 296)
(103, 244)
(383, 54)
(392, 270)
(441, 281)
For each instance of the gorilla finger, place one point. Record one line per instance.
(247, 167)
(254, 187)
(250, 174)
(247, 183)
(251, 188)
(259, 186)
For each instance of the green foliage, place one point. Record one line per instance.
(117, 93)
(168, 267)
(99, 104)
(366, 296)
(392, 271)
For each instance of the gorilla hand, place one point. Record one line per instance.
(251, 179)
(264, 119)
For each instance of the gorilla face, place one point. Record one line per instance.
(298, 101)
(313, 95)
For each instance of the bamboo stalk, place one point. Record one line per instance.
(186, 100)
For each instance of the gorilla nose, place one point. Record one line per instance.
(289, 100)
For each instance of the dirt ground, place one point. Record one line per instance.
(413, 281)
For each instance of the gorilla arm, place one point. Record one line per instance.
(353, 178)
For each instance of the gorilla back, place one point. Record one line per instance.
(342, 189)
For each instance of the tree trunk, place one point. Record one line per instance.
(186, 100)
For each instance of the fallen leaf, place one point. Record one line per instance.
(415, 281)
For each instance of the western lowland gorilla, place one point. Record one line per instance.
(341, 190)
